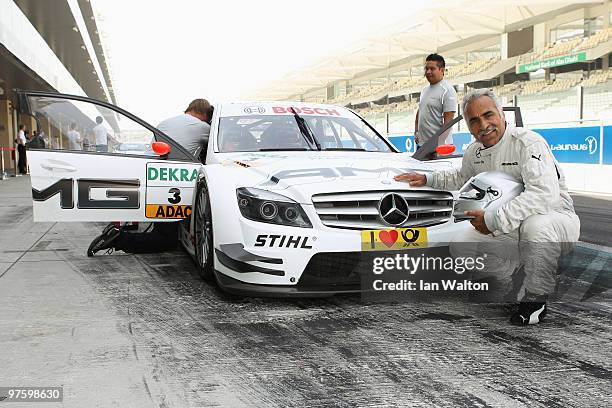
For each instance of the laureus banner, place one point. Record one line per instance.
(551, 62)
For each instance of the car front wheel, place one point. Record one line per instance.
(204, 234)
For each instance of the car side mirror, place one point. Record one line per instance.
(445, 149)
(161, 148)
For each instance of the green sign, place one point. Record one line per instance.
(171, 174)
(551, 62)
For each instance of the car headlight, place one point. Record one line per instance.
(265, 206)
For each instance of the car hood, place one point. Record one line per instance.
(299, 175)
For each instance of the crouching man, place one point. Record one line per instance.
(538, 225)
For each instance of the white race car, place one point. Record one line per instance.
(294, 198)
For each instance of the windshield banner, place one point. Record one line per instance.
(280, 108)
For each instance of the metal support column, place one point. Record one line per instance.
(16, 134)
(580, 90)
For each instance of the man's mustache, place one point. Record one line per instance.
(487, 130)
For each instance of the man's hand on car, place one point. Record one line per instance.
(478, 221)
(414, 179)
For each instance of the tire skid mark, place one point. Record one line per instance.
(594, 370)
(147, 389)
(535, 347)
(531, 396)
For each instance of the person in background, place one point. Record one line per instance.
(100, 135)
(437, 104)
(37, 141)
(21, 150)
(89, 142)
(74, 138)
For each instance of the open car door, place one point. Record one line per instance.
(100, 163)
(428, 150)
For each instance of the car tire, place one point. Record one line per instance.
(204, 234)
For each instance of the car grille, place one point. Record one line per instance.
(335, 268)
(359, 209)
(354, 268)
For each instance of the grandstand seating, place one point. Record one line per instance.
(413, 82)
(594, 40)
(507, 90)
(562, 84)
(359, 92)
(406, 106)
(568, 46)
(533, 87)
(549, 107)
(407, 83)
(598, 101)
(453, 71)
(596, 78)
(562, 47)
(558, 85)
(540, 102)
(470, 68)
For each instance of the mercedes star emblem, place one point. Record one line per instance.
(393, 209)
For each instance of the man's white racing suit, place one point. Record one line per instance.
(533, 229)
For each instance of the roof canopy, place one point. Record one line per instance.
(443, 27)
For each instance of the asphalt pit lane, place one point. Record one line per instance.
(37, 250)
(447, 317)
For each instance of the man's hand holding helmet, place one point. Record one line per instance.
(478, 221)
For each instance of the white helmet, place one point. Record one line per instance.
(486, 191)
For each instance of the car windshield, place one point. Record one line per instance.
(251, 133)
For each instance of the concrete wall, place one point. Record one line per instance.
(588, 178)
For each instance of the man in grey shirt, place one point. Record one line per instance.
(191, 129)
(438, 102)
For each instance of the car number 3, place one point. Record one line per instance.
(176, 196)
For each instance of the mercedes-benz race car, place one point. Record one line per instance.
(290, 198)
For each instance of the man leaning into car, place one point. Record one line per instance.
(540, 223)
(191, 130)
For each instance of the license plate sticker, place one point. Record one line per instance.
(398, 238)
